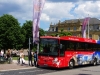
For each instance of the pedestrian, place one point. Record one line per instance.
(30, 57)
(22, 60)
(8, 54)
(0, 56)
(35, 58)
(2, 53)
(18, 59)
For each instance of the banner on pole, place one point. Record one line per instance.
(84, 24)
(37, 9)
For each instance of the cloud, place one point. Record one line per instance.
(69, 0)
(53, 11)
(20, 9)
(91, 8)
(5, 7)
(57, 11)
(63, 0)
(45, 17)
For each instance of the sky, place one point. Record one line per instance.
(53, 11)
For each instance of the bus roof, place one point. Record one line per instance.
(73, 38)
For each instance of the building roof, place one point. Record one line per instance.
(91, 21)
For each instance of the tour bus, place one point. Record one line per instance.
(68, 51)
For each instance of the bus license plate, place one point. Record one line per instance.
(45, 65)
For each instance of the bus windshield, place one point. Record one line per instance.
(48, 47)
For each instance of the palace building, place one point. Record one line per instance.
(74, 26)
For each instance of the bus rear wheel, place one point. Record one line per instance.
(71, 64)
(95, 62)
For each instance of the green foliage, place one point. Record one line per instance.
(27, 32)
(42, 32)
(10, 32)
(62, 33)
(14, 36)
(53, 34)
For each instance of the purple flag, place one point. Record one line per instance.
(84, 24)
(37, 9)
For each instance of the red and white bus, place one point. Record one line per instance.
(68, 51)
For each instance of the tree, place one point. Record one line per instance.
(27, 32)
(10, 34)
(14, 36)
(42, 32)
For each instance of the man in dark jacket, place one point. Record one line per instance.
(30, 58)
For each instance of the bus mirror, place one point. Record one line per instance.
(60, 46)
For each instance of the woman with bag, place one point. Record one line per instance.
(22, 60)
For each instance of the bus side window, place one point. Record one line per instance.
(78, 46)
(60, 46)
(86, 46)
(98, 47)
(68, 45)
(90, 47)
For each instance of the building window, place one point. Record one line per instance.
(90, 27)
(96, 27)
(56, 29)
(98, 37)
(52, 28)
(90, 36)
(75, 28)
(68, 28)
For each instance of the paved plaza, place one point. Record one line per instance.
(14, 66)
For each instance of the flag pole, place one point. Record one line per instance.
(88, 28)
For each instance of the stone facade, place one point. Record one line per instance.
(74, 26)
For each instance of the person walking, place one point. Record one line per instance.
(18, 59)
(22, 60)
(1, 55)
(35, 58)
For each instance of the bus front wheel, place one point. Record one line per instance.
(71, 64)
